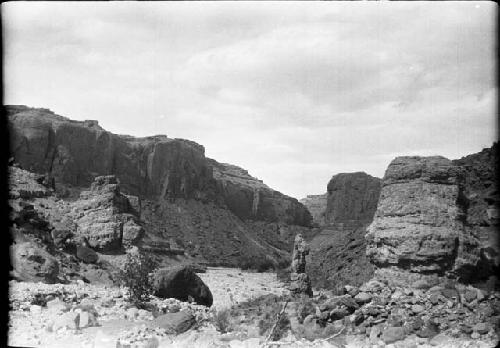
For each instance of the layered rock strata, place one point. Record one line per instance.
(420, 226)
(75, 152)
(352, 197)
(483, 205)
(250, 199)
(338, 249)
(316, 204)
(216, 213)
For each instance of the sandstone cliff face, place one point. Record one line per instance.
(352, 196)
(184, 204)
(250, 199)
(420, 224)
(338, 250)
(316, 204)
(74, 153)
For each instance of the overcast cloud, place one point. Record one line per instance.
(292, 92)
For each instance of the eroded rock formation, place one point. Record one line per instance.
(250, 198)
(316, 204)
(299, 280)
(420, 225)
(483, 202)
(338, 249)
(352, 197)
(169, 191)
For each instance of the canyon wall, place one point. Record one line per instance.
(216, 212)
(428, 220)
(316, 204)
(338, 250)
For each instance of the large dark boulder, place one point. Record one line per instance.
(182, 283)
(85, 254)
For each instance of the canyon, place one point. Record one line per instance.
(409, 258)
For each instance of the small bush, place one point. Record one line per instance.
(260, 264)
(222, 320)
(137, 276)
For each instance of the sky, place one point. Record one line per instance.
(294, 92)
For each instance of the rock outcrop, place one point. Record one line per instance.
(420, 229)
(352, 197)
(32, 263)
(316, 204)
(483, 205)
(250, 199)
(338, 249)
(75, 152)
(103, 216)
(299, 280)
(216, 213)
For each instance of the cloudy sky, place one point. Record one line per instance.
(295, 92)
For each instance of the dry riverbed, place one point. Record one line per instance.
(118, 325)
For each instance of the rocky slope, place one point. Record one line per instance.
(420, 228)
(181, 203)
(338, 250)
(482, 205)
(316, 204)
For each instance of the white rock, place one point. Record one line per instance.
(35, 309)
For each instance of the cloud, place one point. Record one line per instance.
(294, 92)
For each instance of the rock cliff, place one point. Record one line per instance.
(338, 250)
(250, 199)
(162, 191)
(352, 196)
(420, 227)
(316, 204)
(482, 205)
(75, 152)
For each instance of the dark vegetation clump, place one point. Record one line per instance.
(137, 277)
(260, 264)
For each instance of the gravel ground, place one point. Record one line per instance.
(32, 326)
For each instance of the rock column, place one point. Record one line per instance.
(299, 280)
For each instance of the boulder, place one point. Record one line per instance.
(32, 263)
(69, 320)
(87, 319)
(174, 323)
(85, 254)
(181, 283)
(393, 334)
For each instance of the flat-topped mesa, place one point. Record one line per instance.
(419, 227)
(352, 197)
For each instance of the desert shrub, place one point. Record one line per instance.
(222, 320)
(305, 307)
(260, 264)
(272, 305)
(137, 276)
